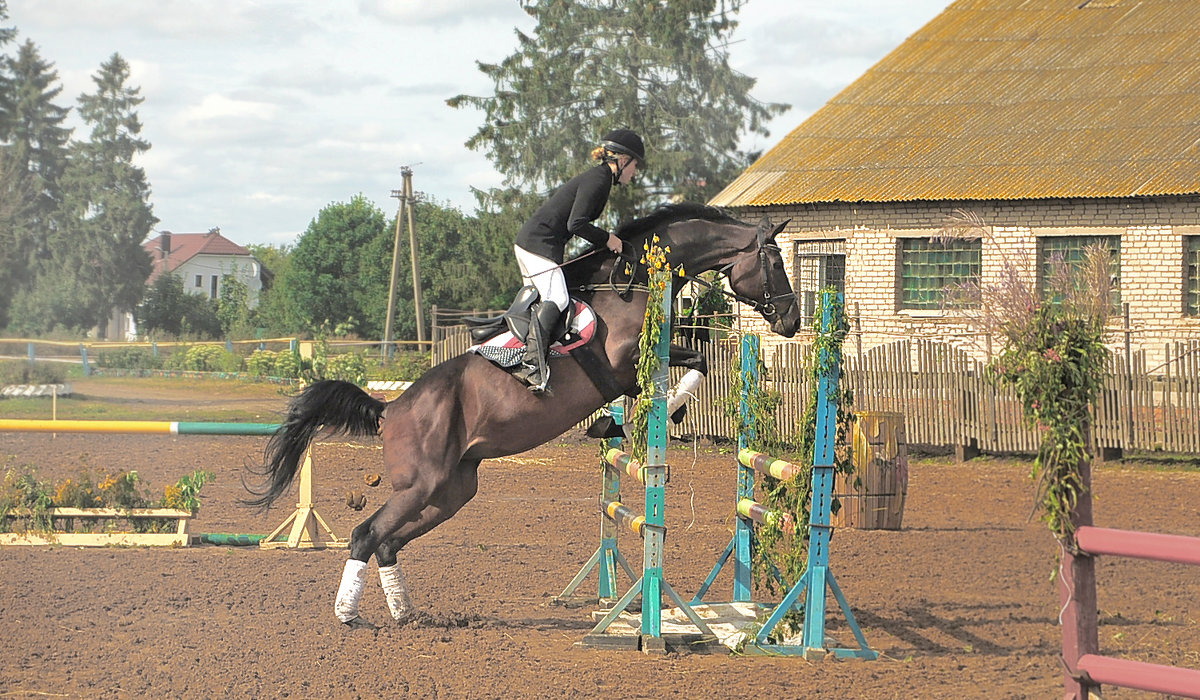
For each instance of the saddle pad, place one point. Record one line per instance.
(506, 350)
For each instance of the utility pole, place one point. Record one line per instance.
(386, 349)
(406, 197)
(412, 249)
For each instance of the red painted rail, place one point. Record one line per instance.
(1094, 669)
(1184, 682)
(1139, 545)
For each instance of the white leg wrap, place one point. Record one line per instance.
(684, 390)
(396, 590)
(354, 577)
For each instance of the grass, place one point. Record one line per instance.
(157, 398)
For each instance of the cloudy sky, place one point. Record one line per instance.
(261, 112)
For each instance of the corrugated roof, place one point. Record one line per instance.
(1006, 99)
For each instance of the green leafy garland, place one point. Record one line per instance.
(780, 545)
(658, 270)
(1058, 370)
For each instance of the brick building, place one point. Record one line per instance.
(1059, 123)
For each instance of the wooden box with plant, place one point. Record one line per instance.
(87, 510)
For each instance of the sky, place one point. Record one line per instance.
(262, 112)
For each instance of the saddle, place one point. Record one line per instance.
(501, 339)
(516, 319)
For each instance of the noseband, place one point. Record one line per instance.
(768, 306)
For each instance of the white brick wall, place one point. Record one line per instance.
(1152, 265)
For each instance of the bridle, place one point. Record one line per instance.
(768, 306)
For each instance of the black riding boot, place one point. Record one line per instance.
(536, 373)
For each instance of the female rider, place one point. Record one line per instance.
(568, 212)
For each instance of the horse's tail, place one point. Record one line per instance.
(338, 407)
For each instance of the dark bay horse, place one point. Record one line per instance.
(466, 410)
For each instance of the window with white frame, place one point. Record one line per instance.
(817, 265)
(931, 269)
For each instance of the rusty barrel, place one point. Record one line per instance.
(880, 450)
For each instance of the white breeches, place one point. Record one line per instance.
(545, 275)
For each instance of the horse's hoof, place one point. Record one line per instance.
(358, 623)
(406, 618)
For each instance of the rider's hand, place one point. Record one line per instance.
(615, 244)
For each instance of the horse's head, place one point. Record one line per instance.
(757, 274)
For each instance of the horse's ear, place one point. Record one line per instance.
(775, 231)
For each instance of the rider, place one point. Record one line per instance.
(568, 212)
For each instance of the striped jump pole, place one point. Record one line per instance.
(135, 426)
(306, 523)
(652, 585)
(607, 557)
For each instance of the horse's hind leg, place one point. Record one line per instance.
(388, 538)
(461, 488)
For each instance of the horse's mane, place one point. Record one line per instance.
(668, 214)
(584, 268)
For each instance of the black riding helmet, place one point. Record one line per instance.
(627, 142)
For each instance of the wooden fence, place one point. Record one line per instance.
(946, 400)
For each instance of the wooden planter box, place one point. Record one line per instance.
(179, 538)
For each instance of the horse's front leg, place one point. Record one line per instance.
(697, 365)
(606, 427)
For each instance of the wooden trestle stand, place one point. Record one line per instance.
(304, 520)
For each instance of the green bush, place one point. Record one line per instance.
(286, 365)
(204, 358)
(129, 358)
(403, 367)
(261, 363)
(21, 372)
(350, 367)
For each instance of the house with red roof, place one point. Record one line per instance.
(201, 260)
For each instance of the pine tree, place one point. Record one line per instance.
(106, 210)
(32, 158)
(589, 66)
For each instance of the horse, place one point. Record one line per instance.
(466, 409)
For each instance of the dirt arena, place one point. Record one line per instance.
(959, 603)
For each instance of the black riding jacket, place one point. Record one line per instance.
(568, 212)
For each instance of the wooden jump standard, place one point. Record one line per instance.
(1084, 668)
(653, 584)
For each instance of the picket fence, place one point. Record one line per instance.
(946, 400)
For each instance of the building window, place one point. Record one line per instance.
(929, 268)
(1191, 262)
(212, 294)
(1070, 250)
(817, 265)
(199, 281)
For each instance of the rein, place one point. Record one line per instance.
(767, 307)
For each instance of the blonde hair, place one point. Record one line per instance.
(598, 153)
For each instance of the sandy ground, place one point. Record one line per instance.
(959, 603)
